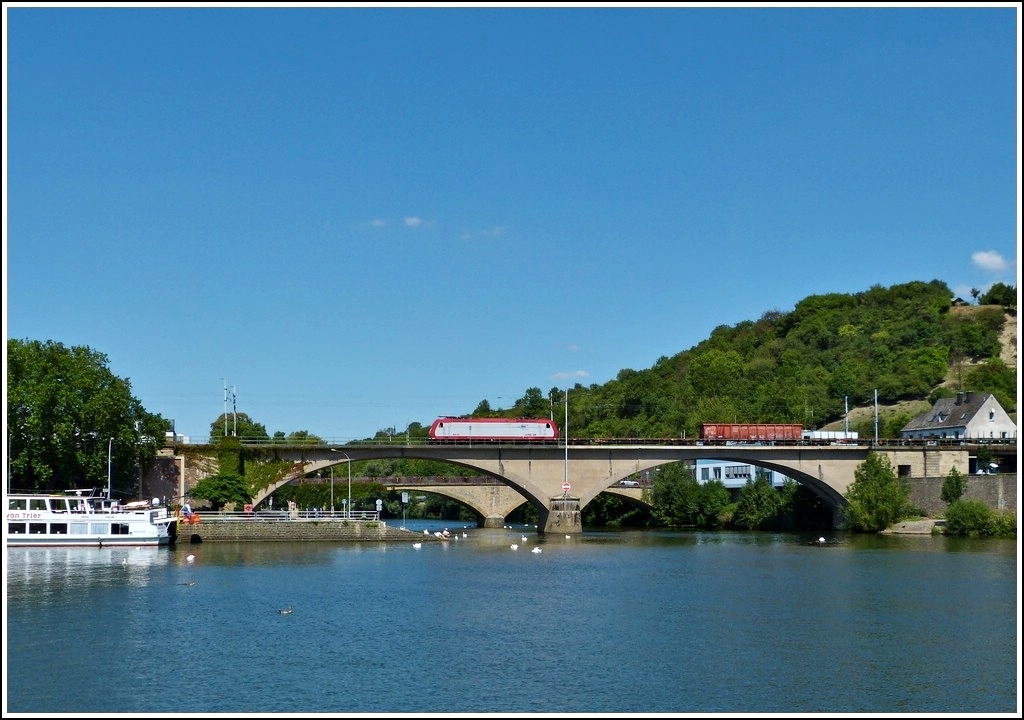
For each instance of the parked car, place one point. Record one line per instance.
(629, 483)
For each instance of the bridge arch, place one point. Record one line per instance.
(537, 472)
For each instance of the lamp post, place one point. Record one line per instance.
(110, 450)
(332, 491)
(566, 481)
(348, 505)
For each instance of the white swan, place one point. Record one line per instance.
(535, 550)
(524, 538)
(514, 546)
(425, 531)
(124, 561)
(417, 545)
(821, 541)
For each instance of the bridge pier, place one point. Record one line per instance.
(494, 521)
(562, 516)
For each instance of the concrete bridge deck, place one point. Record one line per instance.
(539, 473)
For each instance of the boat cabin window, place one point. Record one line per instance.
(37, 528)
(58, 505)
(58, 528)
(15, 528)
(37, 504)
(15, 503)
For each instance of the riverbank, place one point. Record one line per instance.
(916, 527)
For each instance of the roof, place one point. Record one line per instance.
(948, 413)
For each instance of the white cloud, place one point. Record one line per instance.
(378, 223)
(413, 221)
(575, 375)
(989, 260)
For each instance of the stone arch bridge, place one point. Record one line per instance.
(538, 473)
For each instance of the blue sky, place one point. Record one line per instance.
(361, 217)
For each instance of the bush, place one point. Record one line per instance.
(974, 518)
(1005, 523)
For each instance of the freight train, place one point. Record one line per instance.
(751, 432)
(450, 429)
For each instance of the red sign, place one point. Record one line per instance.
(248, 508)
(565, 487)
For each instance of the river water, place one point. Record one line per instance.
(626, 622)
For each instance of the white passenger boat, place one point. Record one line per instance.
(81, 517)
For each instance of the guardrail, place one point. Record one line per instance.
(225, 516)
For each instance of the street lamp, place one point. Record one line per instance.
(348, 505)
(110, 449)
(566, 481)
(332, 491)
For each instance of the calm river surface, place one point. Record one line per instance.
(604, 622)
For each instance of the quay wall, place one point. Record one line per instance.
(999, 492)
(293, 531)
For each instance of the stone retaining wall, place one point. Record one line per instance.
(294, 530)
(999, 492)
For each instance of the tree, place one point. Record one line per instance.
(877, 498)
(71, 422)
(1000, 294)
(238, 425)
(759, 502)
(221, 489)
(953, 487)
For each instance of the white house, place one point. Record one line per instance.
(968, 416)
(734, 475)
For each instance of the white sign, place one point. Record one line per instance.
(565, 487)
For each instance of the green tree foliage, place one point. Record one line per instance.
(953, 486)
(67, 414)
(995, 377)
(876, 498)
(758, 504)
(238, 425)
(221, 489)
(800, 366)
(712, 505)
(972, 518)
(675, 496)
(1000, 294)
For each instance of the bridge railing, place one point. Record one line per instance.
(324, 443)
(225, 516)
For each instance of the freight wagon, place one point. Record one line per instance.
(448, 429)
(751, 432)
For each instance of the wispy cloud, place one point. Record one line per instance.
(414, 221)
(989, 260)
(378, 223)
(574, 375)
